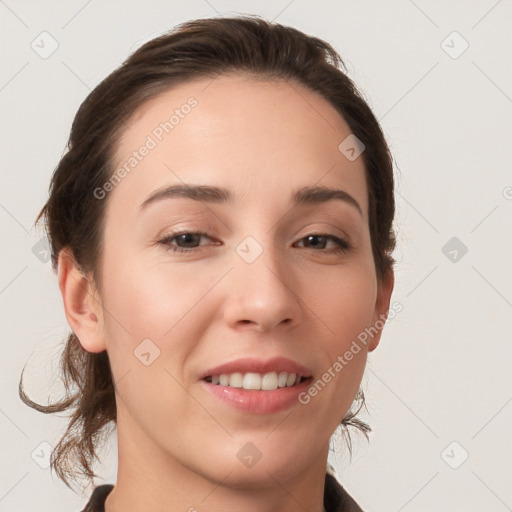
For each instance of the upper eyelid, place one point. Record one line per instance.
(332, 237)
(204, 233)
(341, 233)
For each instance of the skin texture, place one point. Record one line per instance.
(177, 443)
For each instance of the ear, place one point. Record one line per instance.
(384, 291)
(83, 309)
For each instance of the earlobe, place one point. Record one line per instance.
(82, 307)
(384, 291)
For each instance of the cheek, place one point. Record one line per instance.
(155, 312)
(345, 301)
(150, 300)
(345, 308)
(149, 337)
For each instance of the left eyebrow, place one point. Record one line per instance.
(211, 194)
(315, 195)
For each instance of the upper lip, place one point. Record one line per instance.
(245, 365)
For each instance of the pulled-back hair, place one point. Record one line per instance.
(74, 217)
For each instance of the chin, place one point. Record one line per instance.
(257, 478)
(250, 467)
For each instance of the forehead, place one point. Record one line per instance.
(237, 132)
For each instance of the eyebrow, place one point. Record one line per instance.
(219, 195)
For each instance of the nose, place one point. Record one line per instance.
(262, 295)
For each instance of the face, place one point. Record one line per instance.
(195, 280)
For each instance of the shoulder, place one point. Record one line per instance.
(97, 501)
(336, 498)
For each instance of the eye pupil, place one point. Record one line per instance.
(187, 238)
(314, 237)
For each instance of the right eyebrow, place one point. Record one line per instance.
(204, 193)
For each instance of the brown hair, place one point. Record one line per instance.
(74, 216)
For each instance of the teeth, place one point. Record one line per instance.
(291, 379)
(256, 381)
(251, 381)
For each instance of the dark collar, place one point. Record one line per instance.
(336, 499)
(98, 497)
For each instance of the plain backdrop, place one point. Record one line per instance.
(438, 387)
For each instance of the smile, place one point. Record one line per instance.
(256, 381)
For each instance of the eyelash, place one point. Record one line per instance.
(343, 244)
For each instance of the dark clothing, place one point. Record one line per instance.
(336, 499)
(98, 497)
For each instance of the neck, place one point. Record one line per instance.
(150, 479)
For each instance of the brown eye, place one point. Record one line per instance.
(183, 242)
(319, 241)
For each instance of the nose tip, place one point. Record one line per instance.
(261, 298)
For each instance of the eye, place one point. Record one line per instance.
(188, 241)
(185, 241)
(319, 241)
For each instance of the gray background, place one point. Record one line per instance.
(441, 373)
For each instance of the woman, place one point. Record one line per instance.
(222, 230)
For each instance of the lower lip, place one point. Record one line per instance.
(257, 401)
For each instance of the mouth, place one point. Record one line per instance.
(252, 373)
(254, 393)
(252, 381)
